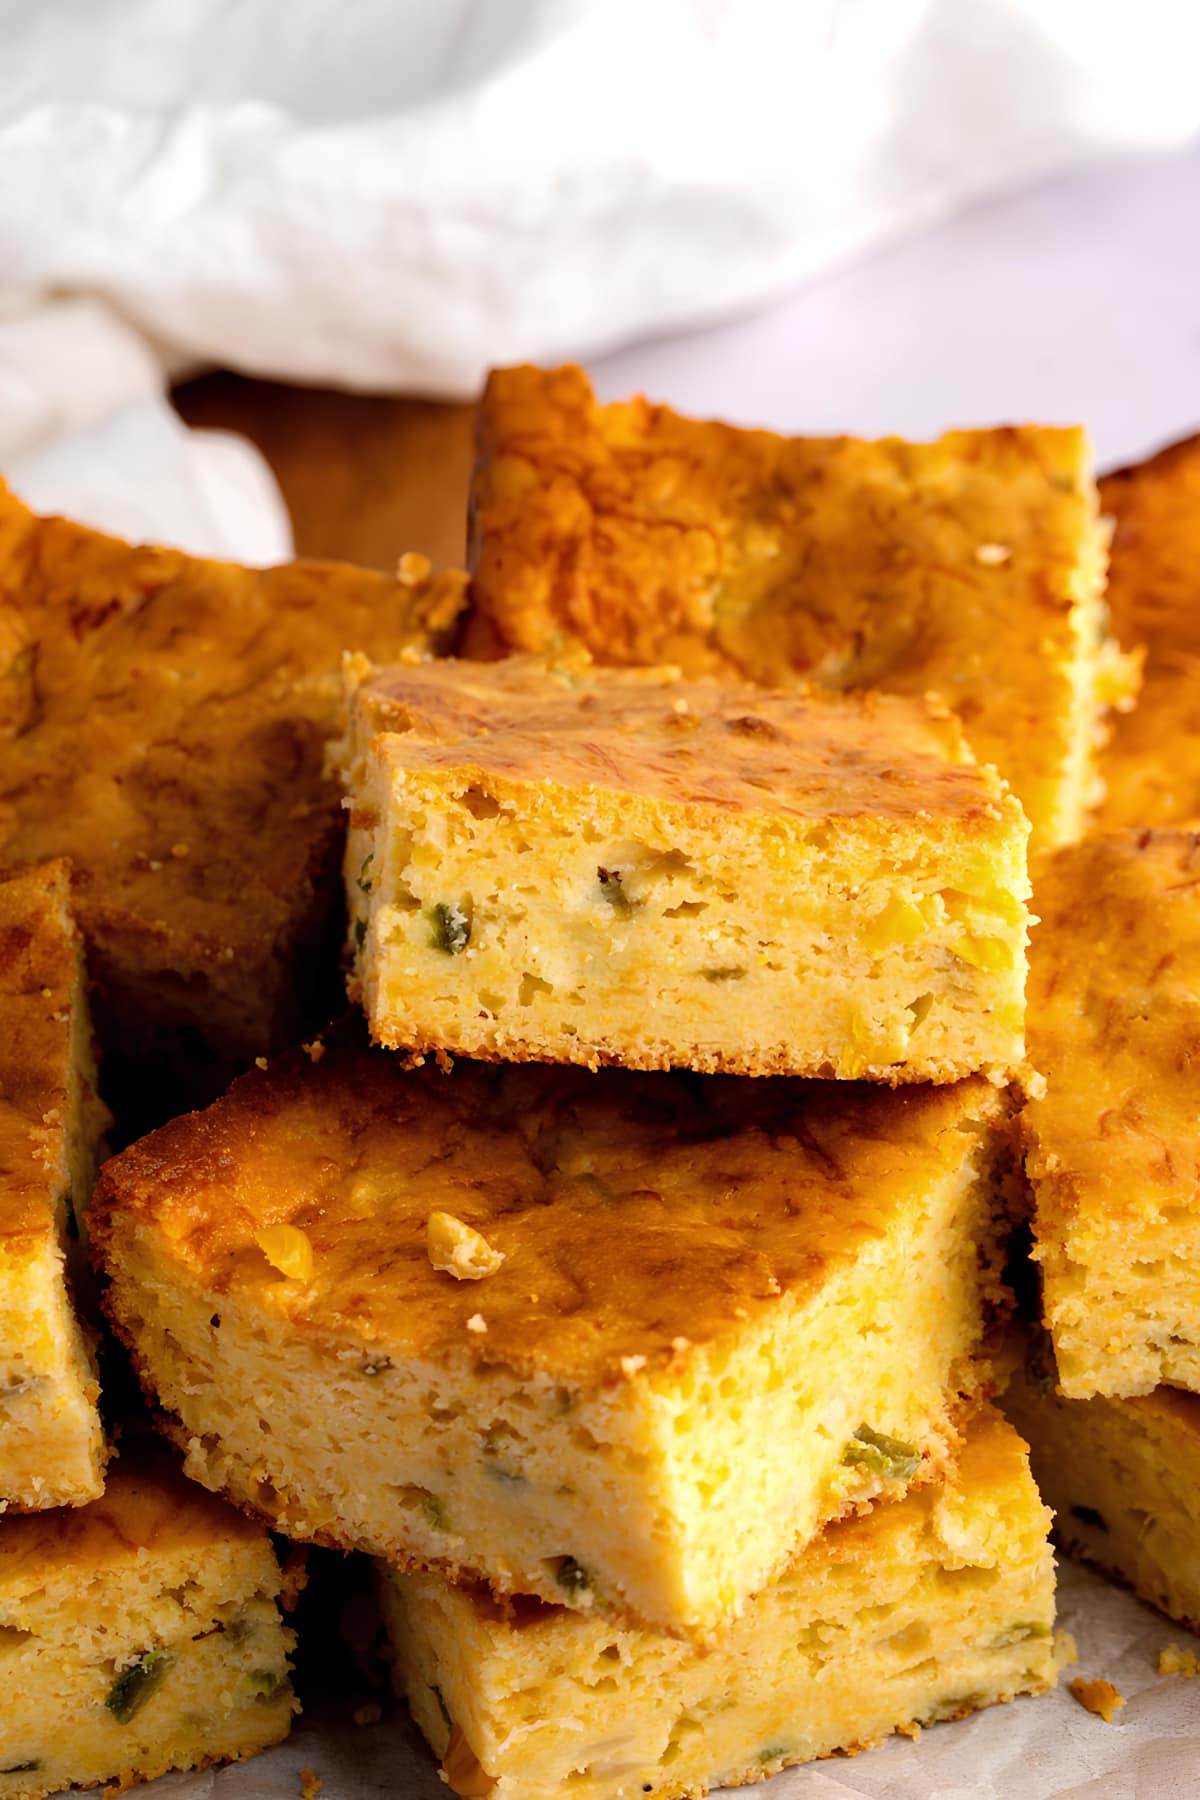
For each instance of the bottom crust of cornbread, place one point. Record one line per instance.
(1123, 1479)
(697, 1302)
(138, 1634)
(923, 1609)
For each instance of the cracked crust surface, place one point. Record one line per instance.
(971, 566)
(1151, 767)
(164, 720)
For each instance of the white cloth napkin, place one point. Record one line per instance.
(391, 194)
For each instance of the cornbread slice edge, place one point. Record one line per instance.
(956, 1582)
(565, 1424)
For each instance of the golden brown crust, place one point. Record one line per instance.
(40, 982)
(165, 721)
(1151, 768)
(1114, 1025)
(147, 1506)
(803, 755)
(967, 566)
(639, 1216)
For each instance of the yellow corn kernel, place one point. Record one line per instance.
(458, 1249)
(900, 922)
(991, 954)
(287, 1249)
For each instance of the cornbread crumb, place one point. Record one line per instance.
(1175, 1660)
(310, 1784)
(1099, 1697)
(457, 1250)
(287, 1249)
(314, 1051)
(260, 1062)
(476, 1322)
(413, 569)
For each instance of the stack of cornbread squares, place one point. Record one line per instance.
(633, 1286)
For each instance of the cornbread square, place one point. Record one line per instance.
(972, 567)
(925, 1608)
(1123, 1478)
(51, 1444)
(1151, 767)
(616, 866)
(1113, 1149)
(163, 723)
(618, 1340)
(137, 1634)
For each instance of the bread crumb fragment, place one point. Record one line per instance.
(458, 1249)
(310, 1784)
(287, 1249)
(1099, 1697)
(314, 1051)
(1175, 1660)
(413, 569)
(260, 1062)
(476, 1322)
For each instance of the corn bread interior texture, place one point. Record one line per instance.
(1151, 768)
(1113, 1150)
(51, 1444)
(1123, 1478)
(972, 567)
(593, 865)
(923, 1609)
(163, 723)
(137, 1634)
(726, 1311)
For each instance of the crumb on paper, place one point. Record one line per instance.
(314, 1051)
(458, 1249)
(1175, 1660)
(1099, 1697)
(310, 1784)
(369, 1714)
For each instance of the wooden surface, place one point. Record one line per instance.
(365, 478)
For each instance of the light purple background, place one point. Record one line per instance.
(1076, 300)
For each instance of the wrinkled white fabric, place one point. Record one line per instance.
(391, 194)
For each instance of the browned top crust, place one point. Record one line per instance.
(163, 722)
(804, 755)
(1114, 1025)
(965, 566)
(1151, 768)
(637, 1215)
(39, 986)
(147, 1509)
